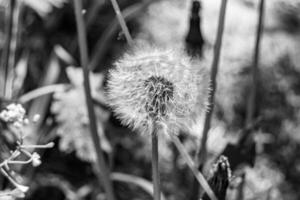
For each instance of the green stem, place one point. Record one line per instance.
(104, 177)
(155, 170)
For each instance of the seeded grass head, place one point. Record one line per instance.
(155, 87)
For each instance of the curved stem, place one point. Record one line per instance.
(41, 91)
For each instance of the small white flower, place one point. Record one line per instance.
(36, 159)
(14, 113)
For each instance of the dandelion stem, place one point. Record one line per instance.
(122, 21)
(201, 151)
(104, 177)
(198, 175)
(155, 170)
(255, 70)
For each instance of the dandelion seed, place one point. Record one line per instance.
(153, 86)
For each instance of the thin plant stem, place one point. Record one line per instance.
(13, 49)
(155, 170)
(25, 98)
(6, 49)
(240, 189)
(122, 21)
(201, 151)
(103, 43)
(198, 175)
(255, 69)
(103, 172)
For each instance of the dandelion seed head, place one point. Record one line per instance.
(155, 86)
(160, 93)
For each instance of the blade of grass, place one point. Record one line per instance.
(122, 21)
(103, 172)
(198, 175)
(39, 106)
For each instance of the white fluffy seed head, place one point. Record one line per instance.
(155, 86)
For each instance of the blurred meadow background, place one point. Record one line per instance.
(60, 138)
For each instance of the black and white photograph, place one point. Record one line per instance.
(149, 99)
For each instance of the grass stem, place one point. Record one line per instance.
(255, 69)
(198, 175)
(122, 21)
(104, 177)
(201, 151)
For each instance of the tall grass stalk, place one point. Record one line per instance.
(251, 104)
(255, 69)
(122, 21)
(198, 175)
(13, 49)
(103, 172)
(6, 48)
(8, 55)
(201, 151)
